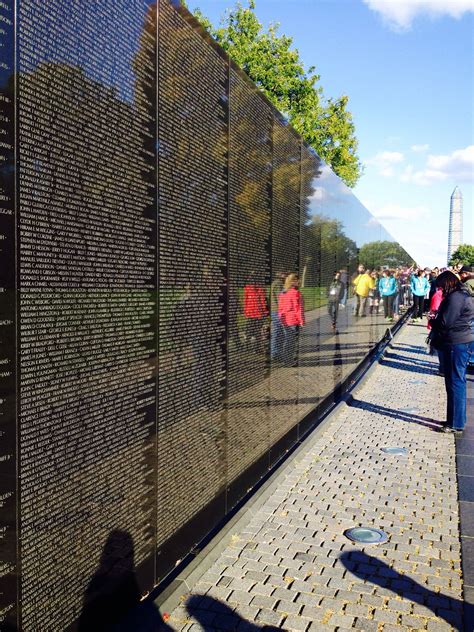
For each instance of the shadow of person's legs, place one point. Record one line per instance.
(212, 614)
(371, 569)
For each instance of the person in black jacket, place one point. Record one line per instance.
(453, 338)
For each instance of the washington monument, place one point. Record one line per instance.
(455, 222)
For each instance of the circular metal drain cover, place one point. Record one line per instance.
(366, 535)
(395, 450)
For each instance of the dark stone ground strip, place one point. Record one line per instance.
(465, 470)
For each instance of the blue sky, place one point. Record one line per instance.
(408, 69)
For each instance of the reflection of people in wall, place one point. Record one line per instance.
(388, 290)
(335, 293)
(362, 284)
(345, 286)
(276, 339)
(113, 590)
(374, 294)
(255, 312)
(291, 314)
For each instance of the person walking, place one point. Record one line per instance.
(453, 337)
(362, 283)
(291, 314)
(335, 292)
(374, 295)
(388, 289)
(419, 287)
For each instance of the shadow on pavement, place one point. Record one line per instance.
(409, 417)
(370, 569)
(212, 615)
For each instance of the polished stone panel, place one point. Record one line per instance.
(153, 205)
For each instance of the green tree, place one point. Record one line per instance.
(378, 254)
(463, 255)
(270, 60)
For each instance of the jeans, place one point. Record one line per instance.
(333, 308)
(396, 302)
(388, 305)
(343, 300)
(455, 358)
(276, 337)
(418, 304)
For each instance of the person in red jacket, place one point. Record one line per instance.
(255, 312)
(291, 314)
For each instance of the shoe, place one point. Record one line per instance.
(450, 430)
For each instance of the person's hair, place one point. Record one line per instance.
(448, 282)
(420, 272)
(291, 281)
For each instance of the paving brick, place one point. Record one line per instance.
(269, 617)
(262, 601)
(366, 625)
(341, 621)
(298, 624)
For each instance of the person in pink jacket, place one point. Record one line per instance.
(291, 315)
(435, 302)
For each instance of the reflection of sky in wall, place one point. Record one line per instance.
(7, 41)
(84, 35)
(335, 200)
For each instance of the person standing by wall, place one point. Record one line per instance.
(255, 311)
(276, 336)
(362, 284)
(291, 314)
(388, 289)
(344, 278)
(374, 294)
(419, 286)
(453, 337)
(466, 274)
(335, 292)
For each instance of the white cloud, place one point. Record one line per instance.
(419, 149)
(457, 166)
(384, 162)
(399, 14)
(396, 212)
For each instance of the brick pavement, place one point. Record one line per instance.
(292, 567)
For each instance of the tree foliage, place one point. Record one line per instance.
(275, 66)
(464, 255)
(380, 254)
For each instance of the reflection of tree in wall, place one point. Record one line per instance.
(329, 249)
(378, 254)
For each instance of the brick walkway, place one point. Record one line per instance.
(292, 567)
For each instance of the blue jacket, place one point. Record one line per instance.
(419, 285)
(387, 286)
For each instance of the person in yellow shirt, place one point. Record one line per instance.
(362, 283)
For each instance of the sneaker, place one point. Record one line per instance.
(450, 430)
